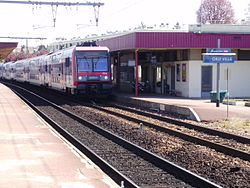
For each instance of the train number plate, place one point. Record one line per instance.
(93, 77)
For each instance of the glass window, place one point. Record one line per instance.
(84, 65)
(158, 74)
(243, 54)
(92, 61)
(100, 64)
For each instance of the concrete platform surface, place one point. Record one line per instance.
(33, 155)
(197, 109)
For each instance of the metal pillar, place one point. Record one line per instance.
(218, 81)
(118, 73)
(136, 72)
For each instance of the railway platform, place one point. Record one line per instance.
(195, 109)
(33, 155)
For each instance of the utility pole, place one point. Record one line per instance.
(218, 81)
(54, 6)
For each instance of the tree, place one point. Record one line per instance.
(247, 16)
(215, 12)
(14, 56)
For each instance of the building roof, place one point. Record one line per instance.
(6, 48)
(219, 28)
(175, 40)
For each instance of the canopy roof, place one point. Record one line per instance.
(175, 40)
(6, 48)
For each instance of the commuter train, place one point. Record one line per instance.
(76, 70)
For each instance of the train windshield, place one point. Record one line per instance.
(92, 61)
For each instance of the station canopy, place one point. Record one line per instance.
(6, 48)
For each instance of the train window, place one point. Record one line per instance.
(84, 65)
(92, 61)
(100, 64)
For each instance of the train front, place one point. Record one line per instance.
(93, 71)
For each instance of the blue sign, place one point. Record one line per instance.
(218, 59)
(219, 50)
(153, 60)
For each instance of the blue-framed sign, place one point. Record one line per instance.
(218, 58)
(219, 50)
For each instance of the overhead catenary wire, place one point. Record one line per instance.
(54, 6)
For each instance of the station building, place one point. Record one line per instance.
(173, 61)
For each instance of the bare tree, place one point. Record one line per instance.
(215, 12)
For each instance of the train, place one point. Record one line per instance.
(78, 70)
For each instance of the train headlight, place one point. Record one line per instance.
(82, 78)
(104, 77)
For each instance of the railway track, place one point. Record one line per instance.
(121, 159)
(230, 144)
(221, 169)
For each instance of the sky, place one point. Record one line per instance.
(115, 15)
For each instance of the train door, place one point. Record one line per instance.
(67, 71)
(61, 75)
(48, 72)
(43, 71)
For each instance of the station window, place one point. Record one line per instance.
(243, 54)
(158, 74)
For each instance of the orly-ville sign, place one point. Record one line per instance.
(218, 58)
(218, 55)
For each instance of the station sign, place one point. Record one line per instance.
(218, 55)
(218, 58)
(219, 50)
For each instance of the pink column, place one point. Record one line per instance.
(136, 72)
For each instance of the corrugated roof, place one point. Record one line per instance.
(174, 40)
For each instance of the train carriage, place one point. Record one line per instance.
(81, 70)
